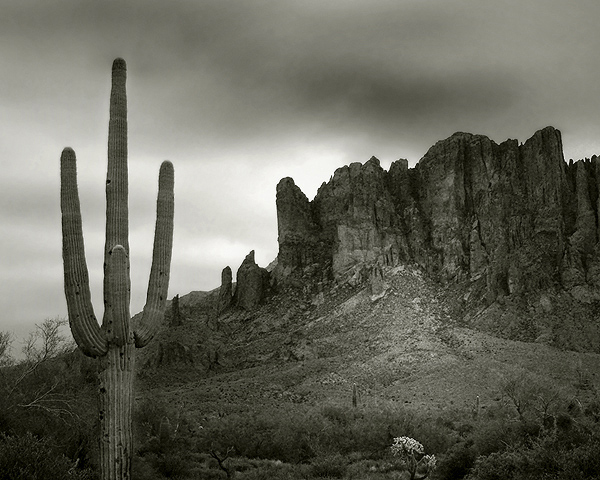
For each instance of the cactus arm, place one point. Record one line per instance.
(84, 326)
(117, 224)
(158, 284)
(117, 309)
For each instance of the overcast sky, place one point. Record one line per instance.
(240, 93)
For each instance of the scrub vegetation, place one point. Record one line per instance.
(48, 430)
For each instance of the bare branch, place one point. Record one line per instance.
(44, 343)
(220, 460)
(5, 347)
(49, 402)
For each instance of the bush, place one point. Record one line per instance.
(583, 461)
(334, 466)
(30, 458)
(456, 463)
(496, 466)
(547, 457)
(50, 394)
(173, 465)
(301, 435)
(269, 470)
(272, 435)
(493, 436)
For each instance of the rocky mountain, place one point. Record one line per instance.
(508, 233)
(428, 287)
(514, 218)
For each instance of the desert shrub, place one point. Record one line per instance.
(435, 438)
(272, 470)
(559, 459)
(493, 436)
(143, 468)
(30, 458)
(338, 415)
(496, 466)
(592, 409)
(370, 430)
(148, 415)
(547, 457)
(274, 435)
(582, 462)
(47, 397)
(164, 442)
(517, 463)
(301, 435)
(172, 465)
(334, 466)
(456, 463)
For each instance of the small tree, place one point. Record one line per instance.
(5, 346)
(47, 395)
(46, 341)
(531, 398)
(412, 456)
(42, 346)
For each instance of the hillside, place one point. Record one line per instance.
(411, 345)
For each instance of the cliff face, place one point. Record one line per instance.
(516, 217)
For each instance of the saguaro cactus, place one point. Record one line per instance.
(115, 342)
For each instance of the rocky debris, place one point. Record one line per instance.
(176, 317)
(252, 284)
(225, 298)
(516, 218)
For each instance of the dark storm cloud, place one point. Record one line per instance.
(379, 97)
(300, 63)
(284, 70)
(252, 69)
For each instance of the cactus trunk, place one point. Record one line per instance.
(115, 411)
(116, 341)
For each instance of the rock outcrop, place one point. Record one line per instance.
(252, 284)
(176, 317)
(300, 242)
(514, 216)
(225, 298)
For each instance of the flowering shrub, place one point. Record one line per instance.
(413, 458)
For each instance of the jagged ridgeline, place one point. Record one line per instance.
(515, 217)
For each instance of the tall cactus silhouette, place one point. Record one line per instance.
(114, 343)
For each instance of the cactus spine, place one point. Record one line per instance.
(114, 342)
